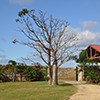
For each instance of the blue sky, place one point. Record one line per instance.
(83, 16)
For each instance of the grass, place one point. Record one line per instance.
(35, 91)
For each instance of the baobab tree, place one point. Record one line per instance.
(49, 37)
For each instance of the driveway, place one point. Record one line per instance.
(85, 91)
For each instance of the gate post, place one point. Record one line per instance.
(80, 74)
(76, 73)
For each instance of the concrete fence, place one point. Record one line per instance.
(64, 73)
(67, 73)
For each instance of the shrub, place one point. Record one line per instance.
(92, 73)
(32, 73)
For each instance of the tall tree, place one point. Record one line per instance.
(49, 37)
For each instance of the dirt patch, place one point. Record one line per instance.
(85, 91)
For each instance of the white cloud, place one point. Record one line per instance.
(89, 25)
(71, 30)
(3, 60)
(87, 35)
(21, 2)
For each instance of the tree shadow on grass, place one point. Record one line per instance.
(64, 84)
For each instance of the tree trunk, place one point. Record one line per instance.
(21, 78)
(55, 76)
(49, 75)
(13, 77)
(49, 68)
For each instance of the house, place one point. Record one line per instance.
(93, 52)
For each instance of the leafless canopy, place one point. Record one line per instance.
(48, 36)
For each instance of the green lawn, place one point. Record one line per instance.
(35, 91)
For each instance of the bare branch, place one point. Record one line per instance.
(48, 36)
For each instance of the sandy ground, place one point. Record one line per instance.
(85, 91)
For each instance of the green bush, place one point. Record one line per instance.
(92, 73)
(32, 73)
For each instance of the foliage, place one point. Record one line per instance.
(12, 62)
(1, 69)
(20, 68)
(82, 60)
(73, 57)
(2, 77)
(1, 73)
(82, 57)
(32, 73)
(91, 72)
(11, 66)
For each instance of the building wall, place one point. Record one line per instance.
(67, 73)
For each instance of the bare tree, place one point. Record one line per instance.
(49, 37)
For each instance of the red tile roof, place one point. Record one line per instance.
(96, 47)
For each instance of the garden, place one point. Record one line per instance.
(89, 67)
(32, 83)
(91, 73)
(14, 71)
